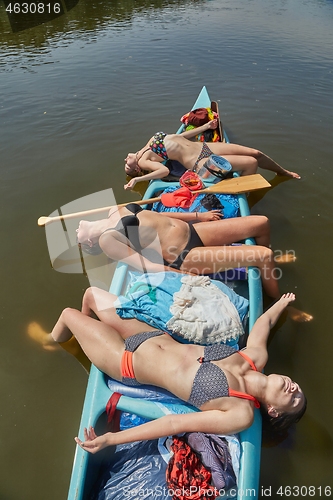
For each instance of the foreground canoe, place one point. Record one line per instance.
(86, 466)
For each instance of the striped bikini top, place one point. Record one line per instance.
(210, 381)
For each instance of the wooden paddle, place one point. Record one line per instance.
(235, 185)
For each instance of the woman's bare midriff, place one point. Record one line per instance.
(183, 150)
(178, 366)
(173, 233)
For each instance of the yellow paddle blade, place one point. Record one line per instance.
(238, 185)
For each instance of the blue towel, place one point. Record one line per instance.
(230, 204)
(149, 297)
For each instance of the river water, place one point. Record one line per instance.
(77, 92)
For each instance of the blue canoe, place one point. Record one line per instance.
(86, 466)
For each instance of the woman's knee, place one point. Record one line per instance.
(67, 315)
(256, 154)
(264, 223)
(88, 295)
(252, 164)
(261, 229)
(90, 298)
(260, 224)
(266, 256)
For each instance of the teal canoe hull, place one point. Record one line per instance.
(85, 466)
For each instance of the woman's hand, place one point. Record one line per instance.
(212, 124)
(94, 443)
(131, 183)
(209, 216)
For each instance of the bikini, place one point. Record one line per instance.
(157, 146)
(205, 153)
(132, 234)
(132, 222)
(210, 381)
(193, 241)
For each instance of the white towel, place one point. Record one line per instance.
(203, 314)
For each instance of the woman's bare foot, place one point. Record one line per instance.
(285, 258)
(293, 175)
(36, 332)
(293, 313)
(297, 315)
(287, 298)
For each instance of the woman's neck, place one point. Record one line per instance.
(256, 383)
(96, 228)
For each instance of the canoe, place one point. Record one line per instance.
(86, 466)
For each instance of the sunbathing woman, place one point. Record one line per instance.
(154, 242)
(192, 155)
(187, 371)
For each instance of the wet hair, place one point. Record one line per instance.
(276, 428)
(91, 250)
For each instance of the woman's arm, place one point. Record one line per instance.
(260, 332)
(212, 124)
(211, 422)
(156, 171)
(195, 216)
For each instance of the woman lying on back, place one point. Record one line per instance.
(225, 384)
(192, 155)
(154, 242)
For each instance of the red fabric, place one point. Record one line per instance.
(198, 117)
(191, 180)
(182, 197)
(186, 476)
(112, 413)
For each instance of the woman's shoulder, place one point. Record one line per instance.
(257, 355)
(232, 416)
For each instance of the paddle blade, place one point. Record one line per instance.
(238, 185)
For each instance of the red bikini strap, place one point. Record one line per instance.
(243, 395)
(248, 359)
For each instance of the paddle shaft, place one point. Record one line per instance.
(42, 221)
(234, 185)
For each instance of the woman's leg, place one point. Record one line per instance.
(263, 161)
(101, 303)
(208, 260)
(227, 231)
(101, 343)
(95, 301)
(245, 165)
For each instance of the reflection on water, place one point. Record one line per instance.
(81, 91)
(88, 16)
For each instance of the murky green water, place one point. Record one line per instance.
(80, 91)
